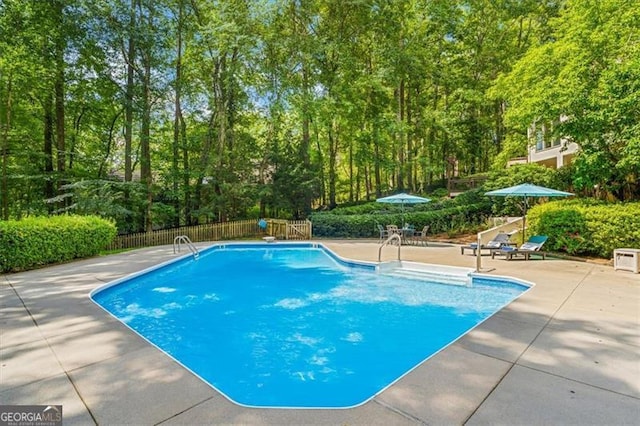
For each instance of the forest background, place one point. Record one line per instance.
(160, 113)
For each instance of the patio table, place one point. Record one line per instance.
(406, 234)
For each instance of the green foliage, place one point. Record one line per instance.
(292, 104)
(515, 146)
(122, 202)
(439, 193)
(38, 241)
(587, 76)
(586, 227)
(437, 202)
(302, 102)
(446, 220)
(516, 175)
(473, 196)
(522, 173)
(565, 227)
(370, 207)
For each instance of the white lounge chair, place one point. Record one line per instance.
(532, 246)
(499, 241)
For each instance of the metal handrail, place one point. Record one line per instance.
(513, 225)
(186, 241)
(387, 241)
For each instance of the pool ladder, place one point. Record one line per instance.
(183, 239)
(388, 241)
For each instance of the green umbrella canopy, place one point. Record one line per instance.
(526, 190)
(403, 199)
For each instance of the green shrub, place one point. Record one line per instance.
(330, 225)
(370, 207)
(437, 202)
(439, 193)
(38, 241)
(586, 227)
(565, 227)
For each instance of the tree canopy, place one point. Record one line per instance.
(586, 77)
(169, 112)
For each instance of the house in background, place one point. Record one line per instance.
(546, 149)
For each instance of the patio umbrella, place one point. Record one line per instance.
(403, 199)
(525, 191)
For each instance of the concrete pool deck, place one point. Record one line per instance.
(567, 352)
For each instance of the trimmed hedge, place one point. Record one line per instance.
(586, 227)
(38, 241)
(364, 225)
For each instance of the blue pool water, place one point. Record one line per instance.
(284, 326)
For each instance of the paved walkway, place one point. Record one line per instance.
(567, 352)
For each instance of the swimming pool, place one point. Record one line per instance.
(293, 325)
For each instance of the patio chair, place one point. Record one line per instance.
(499, 241)
(532, 246)
(421, 237)
(384, 234)
(393, 229)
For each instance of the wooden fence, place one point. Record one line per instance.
(281, 229)
(289, 229)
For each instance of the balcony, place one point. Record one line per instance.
(555, 155)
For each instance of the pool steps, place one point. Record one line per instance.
(425, 271)
(431, 276)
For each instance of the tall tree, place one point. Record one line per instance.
(585, 79)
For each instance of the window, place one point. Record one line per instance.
(544, 137)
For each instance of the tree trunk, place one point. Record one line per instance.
(128, 114)
(400, 144)
(59, 99)
(4, 146)
(323, 186)
(60, 130)
(107, 153)
(499, 123)
(48, 150)
(186, 173)
(351, 177)
(306, 137)
(409, 136)
(333, 155)
(74, 136)
(376, 163)
(145, 142)
(176, 122)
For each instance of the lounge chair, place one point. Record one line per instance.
(532, 246)
(499, 241)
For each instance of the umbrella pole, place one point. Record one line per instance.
(524, 219)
